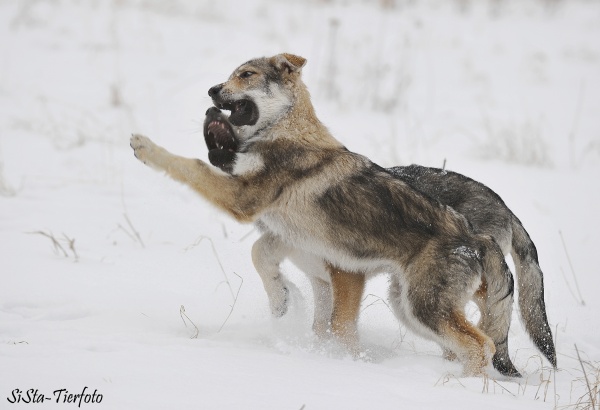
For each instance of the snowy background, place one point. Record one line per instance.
(119, 279)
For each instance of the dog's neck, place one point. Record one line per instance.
(301, 124)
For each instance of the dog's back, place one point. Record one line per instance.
(485, 210)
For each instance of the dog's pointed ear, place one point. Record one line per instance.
(289, 63)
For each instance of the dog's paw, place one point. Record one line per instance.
(143, 148)
(279, 301)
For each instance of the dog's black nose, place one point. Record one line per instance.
(213, 91)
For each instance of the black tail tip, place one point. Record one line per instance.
(552, 359)
(546, 346)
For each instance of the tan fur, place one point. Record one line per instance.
(297, 61)
(474, 347)
(231, 195)
(347, 294)
(480, 299)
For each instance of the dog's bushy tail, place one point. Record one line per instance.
(530, 283)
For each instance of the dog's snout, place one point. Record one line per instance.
(212, 111)
(214, 91)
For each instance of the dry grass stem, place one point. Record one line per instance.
(571, 267)
(376, 301)
(234, 302)
(56, 244)
(132, 232)
(587, 381)
(184, 316)
(504, 388)
(234, 295)
(445, 378)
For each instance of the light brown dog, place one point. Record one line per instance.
(342, 218)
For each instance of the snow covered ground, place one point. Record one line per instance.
(149, 296)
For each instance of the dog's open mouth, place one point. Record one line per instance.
(221, 139)
(218, 132)
(243, 112)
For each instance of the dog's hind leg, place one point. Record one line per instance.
(432, 296)
(440, 317)
(267, 253)
(347, 290)
(473, 347)
(495, 299)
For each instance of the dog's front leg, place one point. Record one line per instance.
(267, 253)
(219, 188)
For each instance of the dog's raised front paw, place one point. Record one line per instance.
(142, 147)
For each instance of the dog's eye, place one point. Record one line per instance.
(247, 74)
